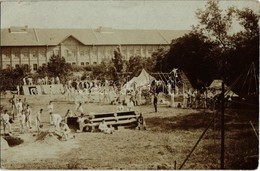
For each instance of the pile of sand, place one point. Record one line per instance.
(4, 144)
(47, 138)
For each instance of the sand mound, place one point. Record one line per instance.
(47, 138)
(4, 144)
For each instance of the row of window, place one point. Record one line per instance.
(35, 66)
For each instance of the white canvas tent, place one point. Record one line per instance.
(217, 85)
(143, 79)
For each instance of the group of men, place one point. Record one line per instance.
(27, 120)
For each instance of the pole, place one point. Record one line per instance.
(222, 128)
(193, 148)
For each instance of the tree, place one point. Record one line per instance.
(158, 58)
(233, 51)
(10, 77)
(117, 60)
(192, 54)
(57, 67)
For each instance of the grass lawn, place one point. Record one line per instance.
(170, 136)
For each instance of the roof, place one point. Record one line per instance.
(217, 84)
(143, 79)
(101, 36)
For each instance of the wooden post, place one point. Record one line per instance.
(174, 167)
(222, 157)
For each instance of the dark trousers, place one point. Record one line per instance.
(155, 106)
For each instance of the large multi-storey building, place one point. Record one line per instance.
(33, 47)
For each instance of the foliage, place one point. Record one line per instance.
(212, 50)
(118, 60)
(11, 77)
(192, 54)
(57, 67)
(158, 58)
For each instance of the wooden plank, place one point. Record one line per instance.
(125, 117)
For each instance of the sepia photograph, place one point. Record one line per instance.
(129, 85)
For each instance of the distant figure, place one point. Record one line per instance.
(21, 120)
(104, 128)
(65, 130)
(79, 108)
(19, 106)
(28, 117)
(52, 80)
(130, 104)
(56, 118)
(83, 122)
(30, 81)
(57, 80)
(46, 80)
(38, 120)
(18, 90)
(155, 100)
(13, 103)
(120, 107)
(50, 110)
(185, 100)
(25, 103)
(6, 122)
(141, 122)
(24, 81)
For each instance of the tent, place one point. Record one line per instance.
(217, 85)
(143, 79)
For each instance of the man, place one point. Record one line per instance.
(50, 110)
(21, 119)
(38, 120)
(120, 107)
(155, 99)
(6, 123)
(19, 106)
(56, 118)
(141, 122)
(65, 130)
(13, 103)
(83, 122)
(104, 128)
(28, 117)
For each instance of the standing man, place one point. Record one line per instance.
(155, 100)
(28, 118)
(6, 123)
(38, 120)
(50, 110)
(13, 101)
(56, 118)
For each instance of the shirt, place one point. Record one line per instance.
(6, 118)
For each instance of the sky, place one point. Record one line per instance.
(143, 14)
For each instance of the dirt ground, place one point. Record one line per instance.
(170, 136)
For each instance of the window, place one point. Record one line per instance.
(17, 54)
(34, 53)
(87, 63)
(73, 63)
(95, 63)
(26, 66)
(56, 52)
(35, 67)
(82, 63)
(81, 53)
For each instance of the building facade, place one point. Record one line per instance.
(34, 47)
